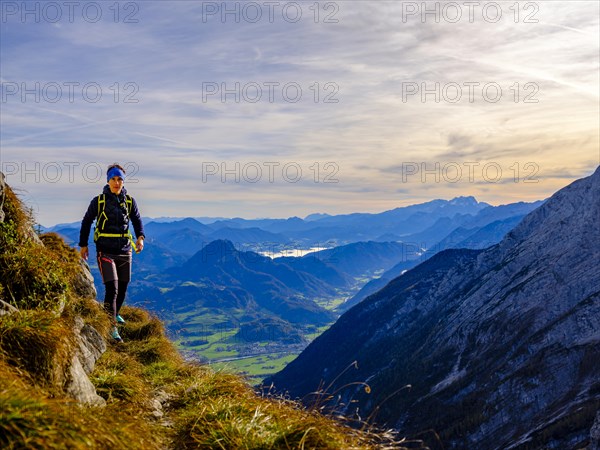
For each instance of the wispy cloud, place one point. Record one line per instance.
(329, 93)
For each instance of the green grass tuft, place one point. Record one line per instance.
(38, 343)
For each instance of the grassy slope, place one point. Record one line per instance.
(201, 408)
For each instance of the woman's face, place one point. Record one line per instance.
(116, 185)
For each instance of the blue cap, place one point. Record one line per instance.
(115, 172)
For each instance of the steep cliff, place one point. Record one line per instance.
(492, 349)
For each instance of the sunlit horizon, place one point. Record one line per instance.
(331, 107)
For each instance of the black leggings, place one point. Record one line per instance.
(116, 273)
(114, 296)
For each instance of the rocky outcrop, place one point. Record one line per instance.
(80, 387)
(159, 401)
(83, 285)
(90, 346)
(6, 308)
(500, 347)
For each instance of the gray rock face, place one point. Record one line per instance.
(90, 346)
(80, 387)
(6, 308)
(160, 399)
(500, 346)
(84, 282)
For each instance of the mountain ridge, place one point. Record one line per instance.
(313, 217)
(499, 357)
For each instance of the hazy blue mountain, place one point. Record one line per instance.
(159, 229)
(389, 237)
(326, 236)
(486, 228)
(356, 227)
(437, 231)
(65, 225)
(429, 211)
(349, 265)
(272, 225)
(77, 224)
(316, 216)
(70, 235)
(500, 212)
(316, 229)
(456, 229)
(362, 259)
(489, 349)
(319, 269)
(184, 241)
(274, 286)
(232, 223)
(155, 258)
(376, 284)
(482, 237)
(252, 235)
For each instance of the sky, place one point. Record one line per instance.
(280, 109)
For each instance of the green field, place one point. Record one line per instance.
(256, 368)
(226, 352)
(212, 335)
(332, 303)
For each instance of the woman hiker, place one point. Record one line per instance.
(112, 210)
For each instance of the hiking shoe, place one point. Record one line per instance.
(115, 335)
(120, 319)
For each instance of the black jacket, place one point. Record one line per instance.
(117, 223)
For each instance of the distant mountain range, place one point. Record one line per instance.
(315, 229)
(342, 266)
(482, 230)
(179, 274)
(487, 349)
(243, 287)
(274, 286)
(423, 224)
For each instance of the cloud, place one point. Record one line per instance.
(353, 110)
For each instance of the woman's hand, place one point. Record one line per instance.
(84, 252)
(139, 244)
